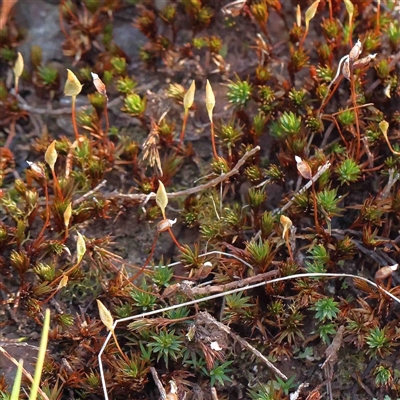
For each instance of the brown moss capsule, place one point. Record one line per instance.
(363, 62)
(99, 85)
(346, 69)
(385, 272)
(355, 51)
(303, 168)
(165, 224)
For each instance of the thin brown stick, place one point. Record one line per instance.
(201, 291)
(324, 168)
(90, 193)
(160, 387)
(214, 182)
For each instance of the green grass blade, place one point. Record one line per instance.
(41, 355)
(17, 382)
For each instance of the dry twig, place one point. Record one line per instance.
(160, 387)
(244, 344)
(201, 291)
(214, 182)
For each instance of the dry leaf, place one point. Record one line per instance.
(51, 155)
(310, 13)
(80, 247)
(188, 99)
(210, 100)
(68, 214)
(162, 198)
(105, 315)
(72, 85)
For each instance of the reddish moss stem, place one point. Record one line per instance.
(185, 119)
(214, 147)
(74, 117)
(175, 239)
(57, 188)
(47, 218)
(354, 101)
(106, 116)
(146, 263)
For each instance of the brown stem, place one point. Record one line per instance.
(119, 348)
(57, 185)
(185, 119)
(216, 156)
(12, 134)
(354, 101)
(175, 239)
(329, 95)
(46, 193)
(106, 116)
(74, 117)
(288, 246)
(378, 17)
(150, 256)
(317, 225)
